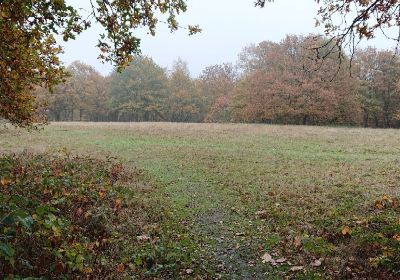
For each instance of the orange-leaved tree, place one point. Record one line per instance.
(284, 83)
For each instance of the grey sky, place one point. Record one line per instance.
(228, 26)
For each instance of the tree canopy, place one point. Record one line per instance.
(29, 53)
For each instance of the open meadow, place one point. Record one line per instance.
(238, 201)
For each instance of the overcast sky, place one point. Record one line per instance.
(228, 26)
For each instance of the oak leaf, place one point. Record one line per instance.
(346, 231)
(120, 268)
(267, 258)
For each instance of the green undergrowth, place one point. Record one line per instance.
(64, 217)
(362, 245)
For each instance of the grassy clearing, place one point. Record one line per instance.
(321, 202)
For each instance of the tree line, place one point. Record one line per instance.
(300, 80)
(29, 53)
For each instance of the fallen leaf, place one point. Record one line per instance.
(397, 237)
(120, 268)
(266, 258)
(118, 203)
(297, 241)
(316, 263)
(4, 181)
(362, 222)
(189, 271)
(143, 237)
(387, 198)
(296, 268)
(102, 194)
(346, 230)
(88, 270)
(378, 205)
(262, 214)
(374, 262)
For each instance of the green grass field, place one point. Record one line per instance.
(322, 202)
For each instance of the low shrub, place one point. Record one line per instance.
(77, 217)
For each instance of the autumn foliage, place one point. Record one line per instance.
(71, 217)
(290, 82)
(53, 217)
(28, 58)
(29, 53)
(287, 83)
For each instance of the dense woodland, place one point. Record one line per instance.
(300, 80)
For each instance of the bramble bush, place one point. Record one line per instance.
(76, 217)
